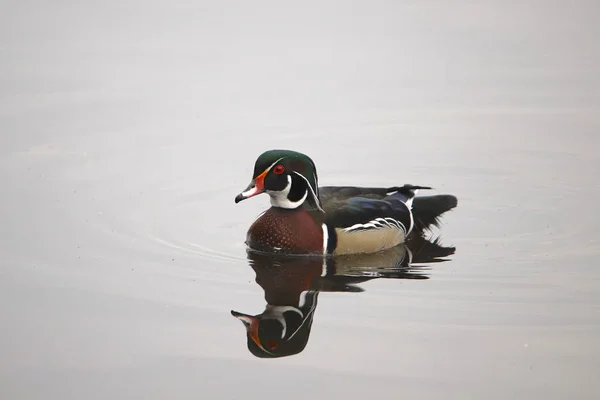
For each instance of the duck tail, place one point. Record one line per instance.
(427, 210)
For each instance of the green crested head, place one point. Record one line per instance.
(288, 177)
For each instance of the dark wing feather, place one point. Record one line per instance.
(361, 210)
(426, 210)
(327, 193)
(332, 197)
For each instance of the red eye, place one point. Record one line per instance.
(272, 345)
(278, 169)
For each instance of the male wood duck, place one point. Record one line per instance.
(332, 220)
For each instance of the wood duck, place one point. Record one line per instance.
(292, 285)
(332, 220)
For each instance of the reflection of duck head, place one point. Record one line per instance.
(283, 328)
(292, 286)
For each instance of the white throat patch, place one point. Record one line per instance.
(279, 198)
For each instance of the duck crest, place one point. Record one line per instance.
(280, 230)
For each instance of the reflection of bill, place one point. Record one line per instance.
(292, 286)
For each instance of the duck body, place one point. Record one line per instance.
(368, 225)
(332, 220)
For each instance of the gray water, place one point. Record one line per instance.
(127, 129)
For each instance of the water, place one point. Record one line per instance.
(127, 130)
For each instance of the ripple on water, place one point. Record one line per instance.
(172, 223)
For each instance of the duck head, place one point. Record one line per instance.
(288, 177)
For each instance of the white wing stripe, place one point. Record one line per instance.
(377, 223)
(325, 238)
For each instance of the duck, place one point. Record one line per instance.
(305, 219)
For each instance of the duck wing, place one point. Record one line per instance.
(332, 197)
(426, 210)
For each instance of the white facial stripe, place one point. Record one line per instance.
(253, 190)
(272, 165)
(276, 312)
(279, 198)
(312, 310)
(312, 192)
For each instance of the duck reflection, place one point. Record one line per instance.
(292, 286)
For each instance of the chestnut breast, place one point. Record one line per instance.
(280, 230)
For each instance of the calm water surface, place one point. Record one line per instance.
(128, 128)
